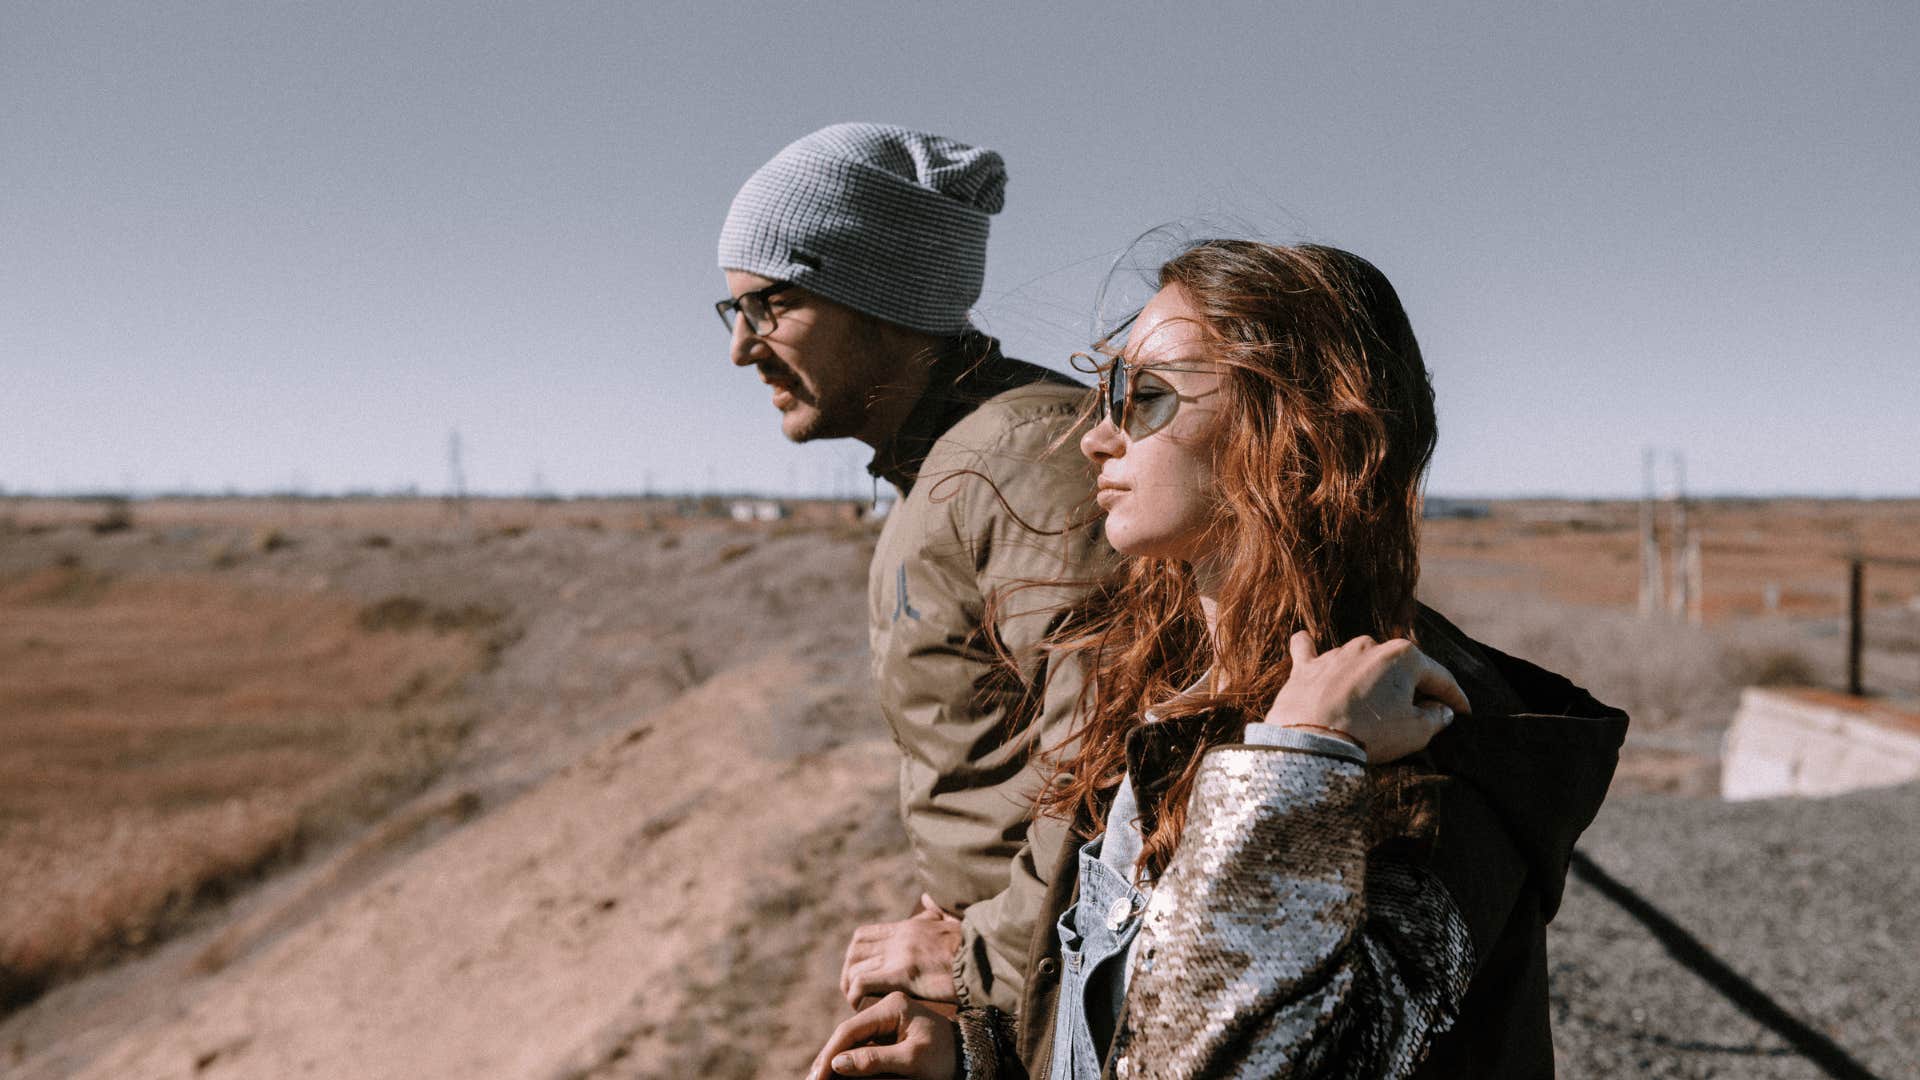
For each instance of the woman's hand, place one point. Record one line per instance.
(1389, 697)
(920, 1043)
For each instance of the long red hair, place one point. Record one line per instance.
(1328, 426)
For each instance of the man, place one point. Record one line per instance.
(852, 258)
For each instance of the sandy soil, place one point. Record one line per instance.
(674, 797)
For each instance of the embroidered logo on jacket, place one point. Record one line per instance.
(901, 605)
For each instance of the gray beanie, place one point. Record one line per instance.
(887, 221)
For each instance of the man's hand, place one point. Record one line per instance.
(895, 1036)
(914, 956)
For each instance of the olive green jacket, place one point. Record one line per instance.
(994, 495)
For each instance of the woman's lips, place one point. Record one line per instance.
(1107, 495)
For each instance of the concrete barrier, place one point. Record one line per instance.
(1816, 742)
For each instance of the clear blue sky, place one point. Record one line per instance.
(255, 245)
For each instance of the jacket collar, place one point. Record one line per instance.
(967, 372)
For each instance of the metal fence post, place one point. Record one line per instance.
(1856, 605)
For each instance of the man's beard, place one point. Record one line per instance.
(825, 417)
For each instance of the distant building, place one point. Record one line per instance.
(1462, 509)
(757, 510)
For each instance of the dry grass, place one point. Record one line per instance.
(1680, 684)
(1666, 674)
(164, 740)
(1557, 583)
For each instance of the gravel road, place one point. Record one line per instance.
(1810, 902)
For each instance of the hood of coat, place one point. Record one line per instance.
(1541, 750)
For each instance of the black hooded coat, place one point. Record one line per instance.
(1515, 784)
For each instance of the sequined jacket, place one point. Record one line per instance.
(1283, 942)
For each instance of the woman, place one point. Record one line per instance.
(1316, 848)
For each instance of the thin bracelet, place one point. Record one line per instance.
(1335, 732)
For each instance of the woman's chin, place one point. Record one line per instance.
(1128, 539)
(1119, 537)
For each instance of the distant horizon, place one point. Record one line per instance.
(886, 494)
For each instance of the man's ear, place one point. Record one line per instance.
(897, 344)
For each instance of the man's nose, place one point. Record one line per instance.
(1102, 441)
(740, 351)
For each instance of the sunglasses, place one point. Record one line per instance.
(1138, 401)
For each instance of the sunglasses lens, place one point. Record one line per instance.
(1153, 404)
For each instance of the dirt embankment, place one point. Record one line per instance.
(558, 640)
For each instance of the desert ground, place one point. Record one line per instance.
(597, 788)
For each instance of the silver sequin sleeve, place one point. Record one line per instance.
(1273, 947)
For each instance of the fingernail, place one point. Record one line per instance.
(843, 1063)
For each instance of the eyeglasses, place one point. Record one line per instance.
(753, 307)
(1138, 404)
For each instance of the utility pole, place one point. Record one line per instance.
(1696, 584)
(1677, 599)
(1652, 597)
(456, 476)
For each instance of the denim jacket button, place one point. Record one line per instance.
(1119, 912)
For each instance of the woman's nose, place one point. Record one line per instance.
(1102, 441)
